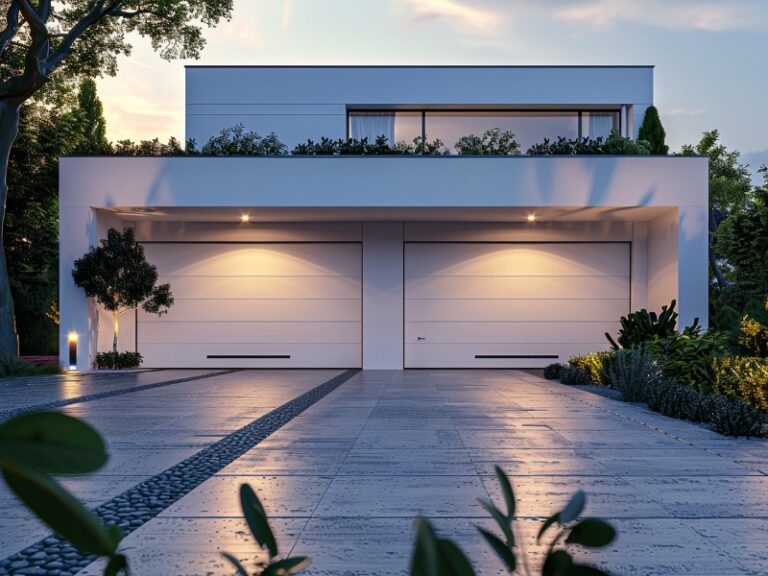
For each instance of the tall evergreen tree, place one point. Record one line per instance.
(653, 132)
(93, 125)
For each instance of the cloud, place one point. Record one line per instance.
(709, 15)
(453, 11)
(680, 111)
(286, 17)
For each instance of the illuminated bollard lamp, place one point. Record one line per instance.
(72, 339)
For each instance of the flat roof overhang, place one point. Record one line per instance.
(233, 215)
(384, 182)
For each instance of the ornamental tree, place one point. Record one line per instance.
(117, 275)
(45, 43)
(653, 132)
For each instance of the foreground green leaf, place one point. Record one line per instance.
(591, 532)
(287, 566)
(117, 563)
(558, 563)
(256, 517)
(435, 556)
(506, 490)
(573, 508)
(502, 550)
(52, 443)
(241, 571)
(61, 511)
(502, 521)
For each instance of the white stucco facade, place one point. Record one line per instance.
(338, 265)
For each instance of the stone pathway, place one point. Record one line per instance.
(150, 431)
(344, 480)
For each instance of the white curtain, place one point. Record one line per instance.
(600, 125)
(372, 126)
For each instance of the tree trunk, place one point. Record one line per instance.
(9, 128)
(116, 316)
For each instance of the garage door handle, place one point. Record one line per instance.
(420, 338)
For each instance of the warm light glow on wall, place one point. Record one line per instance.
(72, 339)
(245, 218)
(531, 217)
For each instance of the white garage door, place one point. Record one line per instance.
(256, 305)
(471, 305)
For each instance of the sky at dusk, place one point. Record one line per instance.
(710, 55)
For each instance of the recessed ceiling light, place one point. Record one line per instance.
(531, 217)
(245, 218)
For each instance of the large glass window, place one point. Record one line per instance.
(396, 126)
(528, 127)
(598, 124)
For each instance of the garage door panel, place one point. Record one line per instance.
(256, 260)
(515, 310)
(255, 332)
(251, 287)
(462, 356)
(523, 260)
(262, 309)
(504, 332)
(323, 355)
(526, 287)
(298, 300)
(525, 304)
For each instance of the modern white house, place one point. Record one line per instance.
(393, 262)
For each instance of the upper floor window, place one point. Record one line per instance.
(396, 126)
(529, 127)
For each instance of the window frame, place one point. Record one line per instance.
(499, 111)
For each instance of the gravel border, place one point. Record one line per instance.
(6, 414)
(54, 556)
(595, 389)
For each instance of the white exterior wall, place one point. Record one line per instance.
(382, 294)
(301, 102)
(674, 262)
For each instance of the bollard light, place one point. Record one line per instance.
(72, 339)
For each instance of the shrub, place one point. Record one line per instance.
(679, 401)
(13, 366)
(615, 144)
(734, 417)
(635, 371)
(687, 358)
(574, 376)
(598, 365)
(753, 337)
(742, 377)
(235, 141)
(118, 360)
(493, 142)
(553, 371)
(341, 147)
(639, 327)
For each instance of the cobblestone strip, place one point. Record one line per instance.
(6, 414)
(54, 556)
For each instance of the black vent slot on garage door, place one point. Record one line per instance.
(251, 356)
(517, 356)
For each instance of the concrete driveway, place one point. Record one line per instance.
(344, 479)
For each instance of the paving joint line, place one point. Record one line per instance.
(7, 414)
(657, 429)
(146, 500)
